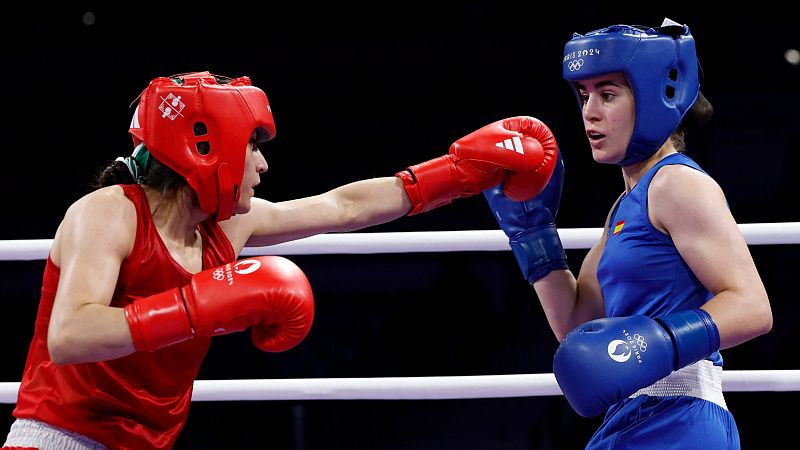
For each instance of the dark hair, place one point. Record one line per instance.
(160, 177)
(701, 112)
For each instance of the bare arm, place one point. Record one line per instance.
(89, 247)
(350, 207)
(691, 208)
(473, 164)
(568, 302)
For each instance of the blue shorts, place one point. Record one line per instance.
(661, 423)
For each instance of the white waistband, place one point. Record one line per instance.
(33, 433)
(702, 380)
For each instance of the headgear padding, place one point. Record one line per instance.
(199, 124)
(661, 67)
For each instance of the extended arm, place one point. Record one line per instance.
(506, 151)
(350, 207)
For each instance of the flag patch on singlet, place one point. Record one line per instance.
(618, 227)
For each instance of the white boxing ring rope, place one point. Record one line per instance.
(419, 241)
(429, 388)
(421, 388)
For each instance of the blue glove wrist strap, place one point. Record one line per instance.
(538, 252)
(694, 333)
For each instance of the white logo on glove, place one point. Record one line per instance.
(619, 350)
(246, 266)
(514, 143)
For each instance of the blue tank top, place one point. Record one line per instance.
(640, 271)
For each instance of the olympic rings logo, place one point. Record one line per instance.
(575, 64)
(243, 267)
(218, 274)
(640, 342)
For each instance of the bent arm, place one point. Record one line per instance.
(691, 208)
(568, 302)
(89, 251)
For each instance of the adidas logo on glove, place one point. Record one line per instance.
(514, 143)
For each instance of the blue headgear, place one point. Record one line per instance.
(661, 67)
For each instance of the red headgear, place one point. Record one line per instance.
(199, 124)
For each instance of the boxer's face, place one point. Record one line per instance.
(254, 166)
(608, 115)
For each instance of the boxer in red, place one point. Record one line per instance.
(143, 271)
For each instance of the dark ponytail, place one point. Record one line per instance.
(701, 112)
(150, 172)
(115, 173)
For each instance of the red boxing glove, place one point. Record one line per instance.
(268, 293)
(519, 152)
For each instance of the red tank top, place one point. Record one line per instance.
(139, 401)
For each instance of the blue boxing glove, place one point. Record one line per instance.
(531, 226)
(606, 360)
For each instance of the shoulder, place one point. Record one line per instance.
(110, 199)
(679, 193)
(678, 181)
(103, 216)
(263, 215)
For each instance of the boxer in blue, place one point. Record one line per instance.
(671, 281)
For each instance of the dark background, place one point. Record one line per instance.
(363, 92)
